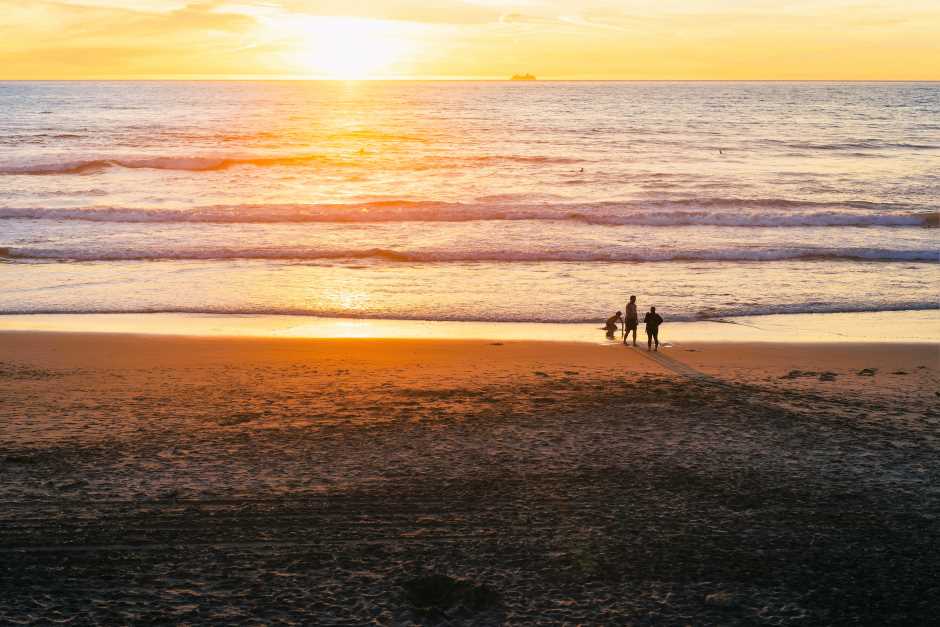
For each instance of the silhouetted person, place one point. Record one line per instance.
(652, 320)
(612, 322)
(631, 321)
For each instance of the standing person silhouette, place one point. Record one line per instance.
(652, 320)
(631, 321)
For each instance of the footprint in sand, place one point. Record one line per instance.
(237, 419)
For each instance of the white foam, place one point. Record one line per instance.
(677, 213)
(469, 256)
(718, 314)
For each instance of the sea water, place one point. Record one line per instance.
(486, 201)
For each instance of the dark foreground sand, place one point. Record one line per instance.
(200, 481)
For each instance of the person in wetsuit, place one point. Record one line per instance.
(652, 320)
(611, 326)
(631, 321)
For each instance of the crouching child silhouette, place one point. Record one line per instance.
(611, 325)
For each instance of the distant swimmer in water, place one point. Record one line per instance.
(652, 320)
(720, 151)
(631, 321)
(581, 170)
(612, 322)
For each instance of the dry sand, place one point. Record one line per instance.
(229, 481)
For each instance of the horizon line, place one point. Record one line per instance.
(292, 78)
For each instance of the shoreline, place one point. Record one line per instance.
(915, 327)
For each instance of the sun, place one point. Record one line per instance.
(349, 48)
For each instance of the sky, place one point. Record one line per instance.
(562, 39)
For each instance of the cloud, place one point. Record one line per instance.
(137, 5)
(69, 38)
(447, 12)
(522, 18)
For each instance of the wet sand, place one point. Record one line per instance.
(252, 480)
(871, 327)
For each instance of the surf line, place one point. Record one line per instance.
(678, 367)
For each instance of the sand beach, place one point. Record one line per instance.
(221, 480)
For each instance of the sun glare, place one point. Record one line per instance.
(348, 48)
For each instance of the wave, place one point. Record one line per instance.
(190, 164)
(476, 256)
(682, 212)
(216, 163)
(872, 144)
(726, 314)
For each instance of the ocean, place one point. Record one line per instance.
(484, 201)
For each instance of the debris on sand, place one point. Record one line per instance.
(237, 419)
(724, 600)
(168, 495)
(796, 374)
(900, 372)
(433, 594)
(867, 372)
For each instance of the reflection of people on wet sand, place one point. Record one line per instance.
(631, 321)
(652, 320)
(612, 322)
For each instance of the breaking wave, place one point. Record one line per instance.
(718, 315)
(493, 256)
(681, 212)
(215, 163)
(861, 144)
(191, 164)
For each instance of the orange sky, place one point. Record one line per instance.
(586, 39)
